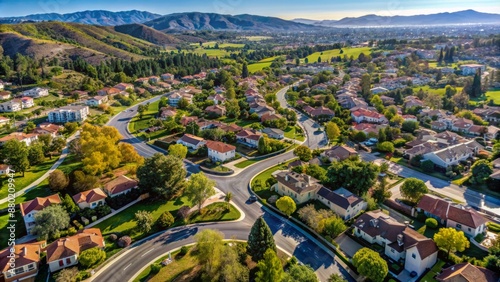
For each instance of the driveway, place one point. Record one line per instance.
(348, 245)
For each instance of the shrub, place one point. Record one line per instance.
(102, 211)
(493, 227)
(155, 268)
(71, 231)
(183, 251)
(400, 142)
(82, 275)
(431, 223)
(113, 237)
(92, 257)
(124, 241)
(166, 220)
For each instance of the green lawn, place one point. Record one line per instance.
(435, 270)
(246, 163)
(290, 133)
(4, 232)
(328, 54)
(261, 64)
(124, 221)
(215, 212)
(490, 95)
(434, 64)
(178, 266)
(263, 176)
(439, 91)
(137, 124)
(29, 177)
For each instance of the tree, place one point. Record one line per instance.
(244, 70)
(57, 145)
(69, 205)
(228, 198)
(58, 181)
(183, 103)
(49, 221)
(144, 221)
(233, 108)
(481, 171)
(199, 188)
(92, 257)
(286, 205)
(193, 128)
(210, 245)
(141, 109)
(15, 154)
(162, 175)
(83, 182)
(332, 130)
(303, 152)
(476, 90)
(166, 220)
(260, 239)
(409, 126)
(370, 264)
(376, 101)
(427, 166)
(386, 146)
(334, 226)
(178, 151)
(262, 146)
(441, 57)
(302, 273)
(99, 147)
(413, 189)
(451, 240)
(336, 278)
(270, 268)
(35, 154)
(365, 86)
(67, 275)
(380, 193)
(231, 268)
(129, 154)
(354, 175)
(70, 127)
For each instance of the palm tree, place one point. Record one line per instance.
(228, 198)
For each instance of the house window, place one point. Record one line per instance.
(68, 261)
(392, 250)
(469, 229)
(413, 256)
(61, 263)
(459, 226)
(93, 204)
(19, 270)
(31, 266)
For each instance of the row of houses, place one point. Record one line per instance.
(28, 138)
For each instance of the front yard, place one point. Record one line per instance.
(137, 124)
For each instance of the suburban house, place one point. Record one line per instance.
(191, 141)
(377, 90)
(36, 92)
(48, 128)
(216, 110)
(168, 112)
(274, 133)
(364, 115)
(27, 138)
(30, 208)
(13, 105)
(5, 95)
(321, 113)
(4, 121)
(249, 137)
(467, 272)
(90, 199)
(453, 155)
(4, 169)
(119, 186)
(400, 242)
(492, 133)
(167, 77)
(96, 101)
(339, 153)
(27, 261)
(176, 96)
(462, 218)
(300, 187)
(342, 202)
(470, 69)
(124, 86)
(217, 99)
(27, 102)
(220, 152)
(64, 252)
(69, 114)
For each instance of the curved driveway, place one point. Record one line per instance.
(287, 235)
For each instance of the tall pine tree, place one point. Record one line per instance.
(476, 84)
(244, 70)
(260, 240)
(441, 57)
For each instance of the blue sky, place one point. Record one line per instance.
(287, 9)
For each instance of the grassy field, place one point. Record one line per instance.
(261, 64)
(328, 54)
(174, 269)
(29, 177)
(256, 38)
(215, 212)
(246, 163)
(290, 133)
(137, 124)
(434, 64)
(490, 95)
(439, 91)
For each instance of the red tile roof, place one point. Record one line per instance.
(89, 196)
(466, 272)
(39, 204)
(69, 246)
(120, 184)
(220, 147)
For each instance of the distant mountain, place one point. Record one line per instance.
(98, 17)
(462, 17)
(211, 21)
(304, 21)
(149, 34)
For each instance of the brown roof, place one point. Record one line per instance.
(120, 184)
(17, 135)
(89, 196)
(466, 216)
(24, 255)
(220, 147)
(467, 272)
(319, 111)
(191, 139)
(186, 120)
(39, 204)
(340, 152)
(69, 246)
(299, 183)
(250, 134)
(434, 205)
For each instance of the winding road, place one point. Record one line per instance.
(288, 236)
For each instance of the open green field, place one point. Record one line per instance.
(256, 38)
(215, 212)
(490, 95)
(261, 64)
(212, 52)
(327, 55)
(434, 64)
(439, 91)
(29, 177)
(211, 44)
(139, 124)
(290, 132)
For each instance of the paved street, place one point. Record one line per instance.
(441, 186)
(287, 236)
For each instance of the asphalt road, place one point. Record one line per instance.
(288, 237)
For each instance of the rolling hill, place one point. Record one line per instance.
(461, 17)
(148, 34)
(98, 17)
(211, 21)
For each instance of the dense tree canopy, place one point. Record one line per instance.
(49, 221)
(260, 239)
(451, 240)
(413, 189)
(370, 264)
(355, 175)
(162, 175)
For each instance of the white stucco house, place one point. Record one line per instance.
(30, 208)
(192, 142)
(90, 199)
(220, 152)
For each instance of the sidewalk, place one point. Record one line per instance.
(35, 183)
(218, 197)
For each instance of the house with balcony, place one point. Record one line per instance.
(36, 92)
(27, 262)
(300, 187)
(69, 114)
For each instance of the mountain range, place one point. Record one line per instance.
(461, 17)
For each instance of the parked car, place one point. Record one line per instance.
(252, 198)
(369, 143)
(373, 140)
